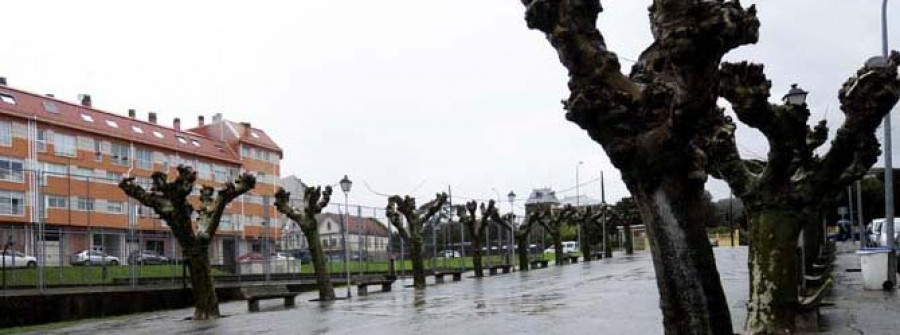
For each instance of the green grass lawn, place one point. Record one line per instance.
(69, 275)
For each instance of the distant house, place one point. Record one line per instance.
(541, 197)
(365, 236)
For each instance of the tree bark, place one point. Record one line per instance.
(607, 247)
(522, 250)
(418, 262)
(774, 284)
(586, 250)
(476, 254)
(691, 296)
(323, 277)
(206, 304)
(812, 240)
(557, 248)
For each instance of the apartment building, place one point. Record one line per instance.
(60, 164)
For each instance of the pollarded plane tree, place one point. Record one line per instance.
(314, 200)
(553, 221)
(624, 213)
(404, 209)
(476, 227)
(520, 232)
(591, 220)
(169, 200)
(649, 123)
(783, 194)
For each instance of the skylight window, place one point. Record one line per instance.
(196, 143)
(7, 99)
(87, 118)
(181, 139)
(112, 124)
(157, 134)
(50, 107)
(137, 129)
(254, 134)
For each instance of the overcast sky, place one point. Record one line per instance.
(406, 97)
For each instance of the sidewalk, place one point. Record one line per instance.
(853, 310)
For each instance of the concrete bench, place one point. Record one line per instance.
(570, 259)
(493, 269)
(439, 276)
(254, 294)
(540, 263)
(362, 286)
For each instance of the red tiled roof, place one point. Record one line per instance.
(359, 225)
(68, 115)
(235, 132)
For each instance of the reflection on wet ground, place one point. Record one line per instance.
(611, 296)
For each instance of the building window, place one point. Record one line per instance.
(98, 151)
(120, 153)
(85, 204)
(87, 118)
(113, 177)
(5, 133)
(181, 139)
(112, 124)
(204, 170)
(246, 151)
(114, 207)
(82, 173)
(65, 145)
(196, 143)
(11, 169)
(137, 129)
(12, 203)
(261, 154)
(157, 134)
(144, 159)
(221, 173)
(254, 134)
(8, 99)
(55, 201)
(42, 140)
(50, 107)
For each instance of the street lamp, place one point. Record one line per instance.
(345, 186)
(512, 198)
(578, 198)
(796, 96)
(888, 165)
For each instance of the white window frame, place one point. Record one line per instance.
(65, 145)
(13, 168)
(12, 203)
(6, 133)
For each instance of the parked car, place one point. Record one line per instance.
(147, 257)
(449, 254)
(282, 256)
(89, 257)
(251, 257)
(877, 234)
(15, 259)
(568, 247)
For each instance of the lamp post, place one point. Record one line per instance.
(888, 165)
(578, 197)
(345, 186)
(512, 227)
(796, 96)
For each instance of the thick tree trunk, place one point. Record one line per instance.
(812, 240)
(773, 272)
(522, 250)
(418, 262)
(607, 247)
(476, 256)
(206, 305)
(323, 277)
(691, 296)
(586, 251)
(558, 249)
(629, 239)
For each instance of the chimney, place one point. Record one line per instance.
(132, 113)
(151, 117)
(86, 100)
(200, 121)
(176, 124)
(217, 117)
(246, 125)
(3, 81)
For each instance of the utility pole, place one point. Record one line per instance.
(859, 212)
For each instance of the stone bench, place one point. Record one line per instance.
(504, 267)
(362, 286)
(439, 276)
(541, 262)
(254, 294)
(570, 259)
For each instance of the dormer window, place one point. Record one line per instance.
(196, 143)
(254, 134)
(87, 118)
(137, 129)
(157, 134)
(112, 124)
(181, 139)
(7, 99)
(50, 107)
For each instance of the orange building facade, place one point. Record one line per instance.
(60, 164)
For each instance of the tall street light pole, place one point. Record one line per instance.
(512, 226)
(888, 165)
(345, 186)
(578, 198)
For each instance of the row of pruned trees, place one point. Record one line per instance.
(661, 125)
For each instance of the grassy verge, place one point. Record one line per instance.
(74, 275)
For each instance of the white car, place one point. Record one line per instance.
(568, 247)
(15, 259)
(877, 234)
(282, 256)
(90, 257)
(449, 254)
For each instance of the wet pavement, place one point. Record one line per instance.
(612, 296)
(853, 310)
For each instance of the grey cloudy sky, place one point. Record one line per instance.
(402, 95)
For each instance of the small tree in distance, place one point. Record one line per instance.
(169, 199)
(476, 227)
(314, 201)
(405, 208)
